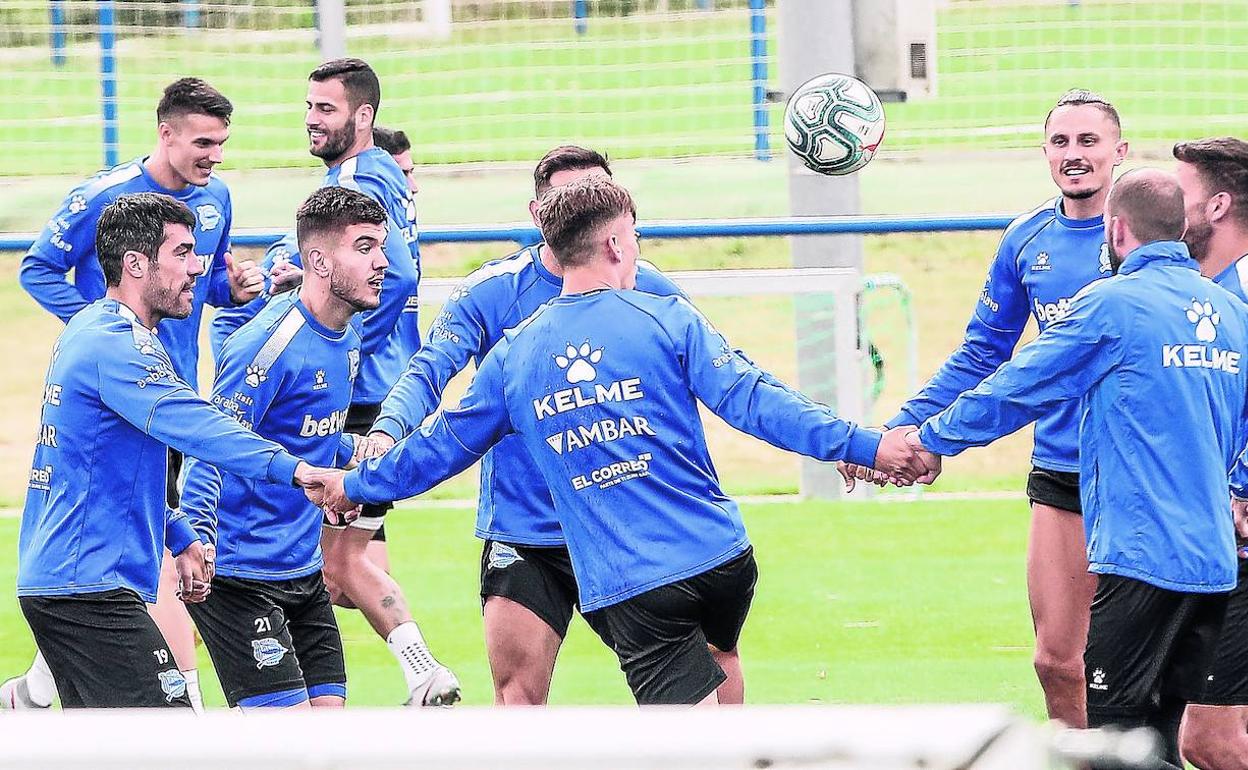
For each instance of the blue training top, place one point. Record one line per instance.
(515, 505)
(288, 378)
(389, 332)
(1153, 357)
(67, 242)
(603, 389)
(95, 516)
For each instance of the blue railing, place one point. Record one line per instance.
(690, 228)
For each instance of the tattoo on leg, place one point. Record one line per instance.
(388, 602)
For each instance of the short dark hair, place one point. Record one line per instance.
(357, 78)
(571, 216)
(1077, 97)
(136, 222)
(1223, 165)
(192, 96)
(1151, 202)
(567, 157)
(391, 140)
(331, 210)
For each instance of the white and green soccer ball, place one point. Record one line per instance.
(834, 123)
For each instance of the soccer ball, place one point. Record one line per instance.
(834, 123)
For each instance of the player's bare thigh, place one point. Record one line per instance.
(1058, 582)
(522, 650)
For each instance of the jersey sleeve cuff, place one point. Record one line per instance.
(901, 418)
(179, 533)
(863, 444)
(282, 468)
(390, 426)
(353, 486)
(935, 444)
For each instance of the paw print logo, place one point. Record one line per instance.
(1098, 676)
(579, 363)
(1206, 320)
(1106, 266)
(77, 204)
(255, 376)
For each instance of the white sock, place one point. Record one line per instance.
(409, 648)
(40, 682)
(192, 690)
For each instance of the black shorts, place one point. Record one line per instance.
(360, 419)
(268, 636)
(1059, 489)
(537, 578)
(1227, 681)
(661, 636)
(105, 651)
(1146, 646)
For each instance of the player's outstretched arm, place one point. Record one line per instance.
(453, 442)
(996, 325)
(1062, 364)
(137, 381)
(751, 401)
(456, 336)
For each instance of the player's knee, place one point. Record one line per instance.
(1213, 744)
(519, 686)
(1199, 744)
(1056, 671)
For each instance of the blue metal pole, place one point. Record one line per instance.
(580, 12)
(190, 14)
(108, 80)
(695, 228)
(56, 10)
(758, 74)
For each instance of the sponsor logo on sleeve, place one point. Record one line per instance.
(77, 204)
(255, 375)
(41, 478)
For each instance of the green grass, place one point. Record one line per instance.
(856, 603)
(643, 86)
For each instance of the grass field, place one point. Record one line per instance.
(642, 86)
(857, 603)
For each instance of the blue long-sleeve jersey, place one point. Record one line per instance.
(389, 333)
(515, 505)
(67, 242)
(1155, 359)
(95, 516)
(603, 389)
(1043, 260)
(228, 320)
(289, 378)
